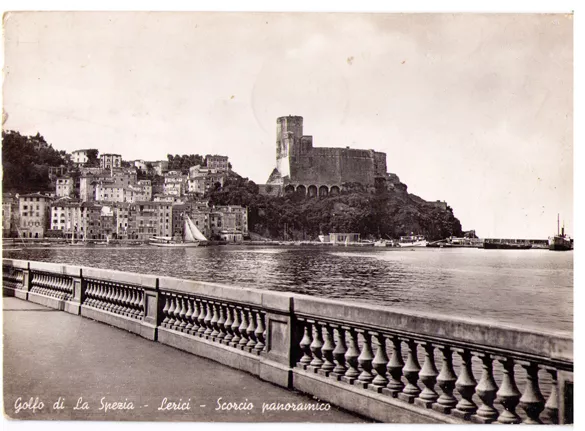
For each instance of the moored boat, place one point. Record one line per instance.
(192, 237)
(561, 241)
(412, 241)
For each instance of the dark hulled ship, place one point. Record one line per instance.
(561, 241)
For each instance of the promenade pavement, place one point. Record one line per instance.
(52, 356)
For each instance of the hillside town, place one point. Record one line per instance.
(124, 200)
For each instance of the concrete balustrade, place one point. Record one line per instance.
(389, 365)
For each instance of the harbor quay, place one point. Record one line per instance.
(377, 362)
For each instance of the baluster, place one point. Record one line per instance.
(465, 385)
(89, 292)
(116, 299)
(532, 401)
(111, 296)
(410, 372)
(172, 320)
(177, 313)
(428, 377)
(188, 317)
(379, 364)
(251, 331)
(446, 380)
(108, 297)
(486, 391)
(315, 347)
(214, 319)
(221, 323)
(118, 309)
(508, 394)
(395, 365)
(195, 317)
(182, 323)
(351, 357)
(305, 345)
(260, 333)
(56, 288)
(135, 303)
(243, 330)
(235, 327)
(339, 354)
(165, 310)
(327, 352)
(208, 319)
(95, 295)
(552, 404)
(228, 325)
(365, 361)
(119, 294)
(70, 288)
(141, 304)
(101, 294)
(124, 310)
(201, 318)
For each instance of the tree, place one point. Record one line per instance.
(92, 158)
(26, 161)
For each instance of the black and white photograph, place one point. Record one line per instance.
(288, 217)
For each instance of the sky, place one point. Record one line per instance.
(473, 109)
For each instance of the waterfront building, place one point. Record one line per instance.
(197, 211)
(10, 215)
(34, 212)
(218, 163)
(66, 218)
(109, 161)
(64, 187)
(153, 219)
(90, 216)
(229, 222)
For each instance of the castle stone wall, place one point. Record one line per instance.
(297, 161)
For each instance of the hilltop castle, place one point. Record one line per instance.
(321, 170)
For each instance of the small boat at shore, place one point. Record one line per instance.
(413, 241)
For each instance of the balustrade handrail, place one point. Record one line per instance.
(347, 343)
(548, 348)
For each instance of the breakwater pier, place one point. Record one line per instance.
(382, 364)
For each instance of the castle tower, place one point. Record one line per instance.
(289, 131)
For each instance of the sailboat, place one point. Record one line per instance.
(192, 237)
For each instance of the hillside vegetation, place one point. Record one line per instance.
(382, 214)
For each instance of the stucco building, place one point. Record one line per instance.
(109, 161)
(34, 210)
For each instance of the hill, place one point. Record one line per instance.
(385, 213)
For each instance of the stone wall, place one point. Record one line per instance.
(298, 162)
